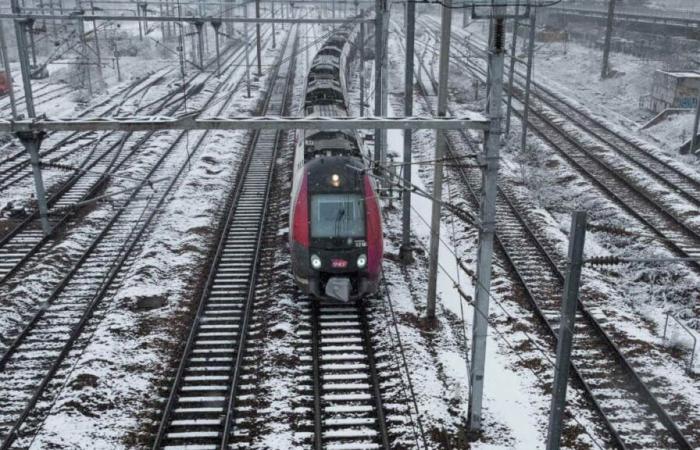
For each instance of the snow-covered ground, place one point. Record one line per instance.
(114, 385)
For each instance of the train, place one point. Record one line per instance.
(335, 232)
(4, 83)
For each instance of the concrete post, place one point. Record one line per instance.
(608, 37)
(24, 65)
(566, 328)
(528, 79)
(216, 24)
(8, 72)
(200, 43)
(487, 216)
(85, 60)
(258, 38)
(32, 141)
(30, 31)
(405, 250)
(440, 146)
(511, 72)
(247, 51)
(694, 137)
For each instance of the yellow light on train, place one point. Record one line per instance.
(335, 180)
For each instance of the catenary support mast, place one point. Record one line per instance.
(488, 219)
(405, 251)
(440, 144)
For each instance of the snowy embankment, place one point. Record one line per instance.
(632, 299)
(127, 360)
(518, 369)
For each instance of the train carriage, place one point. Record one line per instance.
(335, 221)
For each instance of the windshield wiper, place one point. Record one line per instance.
(339, 217)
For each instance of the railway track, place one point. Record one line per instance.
(15, 167)
(636, 417)
(647, 206)
(114, 151)
(30, 364)
(209, 397)
(46, 93)
(348, 412)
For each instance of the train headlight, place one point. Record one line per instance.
(315, 262)
(335, 180)
(361, 261)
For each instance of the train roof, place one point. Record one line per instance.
(332, 110)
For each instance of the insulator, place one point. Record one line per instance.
(610, 229)
(604, 260)
(499, 35)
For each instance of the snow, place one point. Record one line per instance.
(111, 394)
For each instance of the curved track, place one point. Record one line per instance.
(635, 417)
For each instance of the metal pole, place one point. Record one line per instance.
(31, 141)
(608, 37)
(528, 80)
(272, 14)
(162, 24)
(487, 229)
(694, 137)
(577, 238)
(465, 20)
(30, 31)
(8, 72)
(24, 65)
(440, 145)
(362, 68)
(511, 72)
(258, 39)
(138, 13)
(116, 58)
(97, 45)
(216, 24)
(247, 51)
(405, 250)
(378, 25)
(85, 61)
(145, 14)
(200, 43)
(385, 78)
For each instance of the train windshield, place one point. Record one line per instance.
(337, 216)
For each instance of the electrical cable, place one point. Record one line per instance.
(503, 337)
(453, 238)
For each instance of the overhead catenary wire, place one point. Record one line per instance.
(502, 336)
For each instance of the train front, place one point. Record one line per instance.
(336, 233)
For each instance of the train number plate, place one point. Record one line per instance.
(339, 263)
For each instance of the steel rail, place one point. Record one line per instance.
(87, 312)
(640, 159)
(352, 320)
(32, 243)
(238, 365)
(74, 136)
(683, 231)
(216, 258)
(642, 390)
